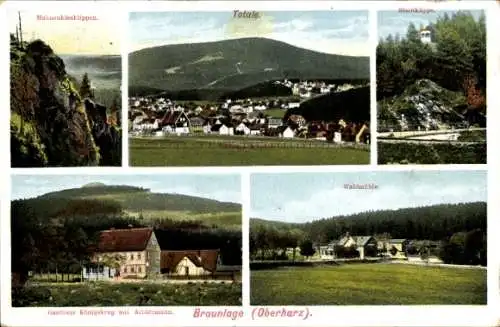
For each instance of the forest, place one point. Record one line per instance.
(61, 240)
(455, 60)
(457, 227)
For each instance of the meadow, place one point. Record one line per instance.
(240, 150)
(368, 284)
(127, 294)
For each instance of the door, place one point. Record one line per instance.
(186, 270)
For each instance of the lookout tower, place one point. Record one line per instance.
(425, 36)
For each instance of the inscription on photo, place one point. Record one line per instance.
(357, 186)
(265, 313)
(246, 14)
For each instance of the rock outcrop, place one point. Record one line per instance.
(51, 125)
(425, 105)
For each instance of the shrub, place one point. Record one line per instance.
(434, 153)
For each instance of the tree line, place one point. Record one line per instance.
(456, 58)
(460, 229)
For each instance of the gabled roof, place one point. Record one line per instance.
(200, 258)
(171, 117)
(361, 240)
(124, 240)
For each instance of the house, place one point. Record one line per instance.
(132, 253)
(207, 128)
(287, 132)
(222, 129)
(177, 120)
(190, 262)
(255, 129)
(273, 122)
(242, 129)
(397, 247)
(327, 252)
(365, 245)
(197, 124)
(297, 119)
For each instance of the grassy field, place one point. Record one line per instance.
(238, 151)
(276, 113)
(128, 294)
(368, 284)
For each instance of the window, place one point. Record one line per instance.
(132, 256)
(125, 269)
(139, 256)
(132, 270)
(139, 270)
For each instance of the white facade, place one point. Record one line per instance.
(224, 130)
(425, 36)
(182, 130)
(337, 137)
(243, 128)
(207, 129)
(186, 267)
(288, 133)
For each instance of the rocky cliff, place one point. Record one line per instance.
(51, 124)
(426, 105)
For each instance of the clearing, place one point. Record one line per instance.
(242, 151)
(368, 284)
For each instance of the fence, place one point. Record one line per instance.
(246, 142)
(223, 276)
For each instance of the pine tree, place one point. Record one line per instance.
(412, 34)
(85, 87)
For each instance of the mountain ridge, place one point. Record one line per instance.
(243, 62)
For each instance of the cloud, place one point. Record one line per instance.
(348, 36)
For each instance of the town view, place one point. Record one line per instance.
(281, 94)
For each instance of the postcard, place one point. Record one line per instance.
(212, 163)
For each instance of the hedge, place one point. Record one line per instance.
(431, 153)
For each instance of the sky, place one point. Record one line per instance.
(393, 22)
(221, 187)
(96, 36)
(335, 32)
(303, 197)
